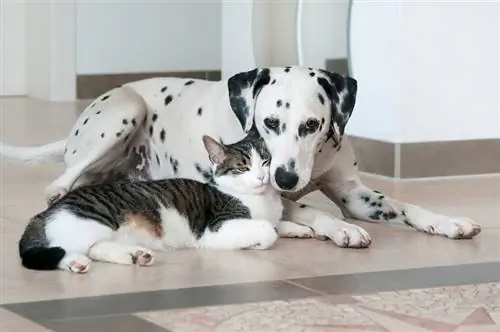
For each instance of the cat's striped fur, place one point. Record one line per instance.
(122, 222)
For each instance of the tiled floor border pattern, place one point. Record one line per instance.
(115, 312)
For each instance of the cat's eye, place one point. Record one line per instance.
(240, 170)
(312, 124)
(271, 123)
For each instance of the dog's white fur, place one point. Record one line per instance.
(163, 120)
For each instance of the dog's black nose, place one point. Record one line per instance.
(285, 180)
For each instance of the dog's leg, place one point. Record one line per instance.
(325, 226)
(343, 186)
(99, 138)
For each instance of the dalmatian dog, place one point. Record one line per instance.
(152, 129)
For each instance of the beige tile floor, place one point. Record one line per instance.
(26, 121)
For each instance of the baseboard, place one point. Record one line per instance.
(427, 159)
(91, 86)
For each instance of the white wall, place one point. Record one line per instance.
(324, 31)
(426, 72)
(237, 43)
(149, 36)
(375, 56)
(12, 47)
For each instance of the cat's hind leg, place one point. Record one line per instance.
(76, 263)
(113, 252)
(240, 234)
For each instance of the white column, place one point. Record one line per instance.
(50, 50)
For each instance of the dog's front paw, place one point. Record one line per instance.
(451, 227)
(341, 233)
(351, 236)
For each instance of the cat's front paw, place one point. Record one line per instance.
(263, 235)
(142, 256)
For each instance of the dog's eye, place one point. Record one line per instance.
(266, 162)
(312, 124)
(271, 123)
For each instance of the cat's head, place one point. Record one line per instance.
(241, 167)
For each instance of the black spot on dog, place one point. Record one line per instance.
(168, 99)
(373, 204)
(102, 135)
(407, 223)
(163, 89)
(126, 138)
(74, 151)
(287, 69)
(150, 130)
(291, 164)
(344, 200)
(267, 131)
(105, 98)
(154, 117)
(283, 128)
(379, 204)
(274, 81)
(76, 132)
(189, 82)
(403, 213)
(157, 159)
(312, 74)
(355, 163)
(98, 112)
(162, 135)
(175, 164)
(302, 206)
(134, 122)
(376, 191)
(118, 134)
(200, 110)
(322, 120)
(381, 197)
(205, 173)
(296, 138)
(365, 197)
(321, 99)
(92, 106)
(287, 105)
(392, 215)
(279, 103)
(85, 121)
(376, 215)
(125, 121)
(309, 68)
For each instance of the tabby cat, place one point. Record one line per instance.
(122, 222)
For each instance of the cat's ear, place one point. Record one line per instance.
(215, 150)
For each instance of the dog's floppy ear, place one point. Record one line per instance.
(341, 90)
(244, 89)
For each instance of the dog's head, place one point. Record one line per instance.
(295, 110)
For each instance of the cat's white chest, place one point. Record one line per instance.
(264, 207)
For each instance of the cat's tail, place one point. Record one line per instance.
(52, 152)
(34, 248)
(42, 258)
